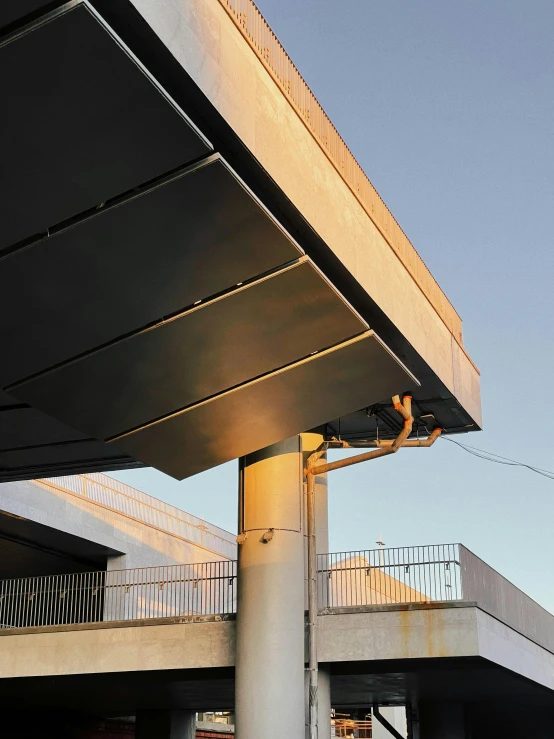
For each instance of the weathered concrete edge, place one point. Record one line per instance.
(128, 624)
(213, 618)
(383, 227)
(162, 646)
(504, 646)
(426, 631)
(430, 605)
(424, 606)
(206, 43)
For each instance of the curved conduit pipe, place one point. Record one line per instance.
(313, 468)
(429, 441)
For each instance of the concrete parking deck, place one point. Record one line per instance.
(398, 641)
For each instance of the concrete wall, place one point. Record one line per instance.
(397, 633)
(164, 536)
(456, 630)
(150, 646)
(205, 41)
(499, 597)
(384, 634)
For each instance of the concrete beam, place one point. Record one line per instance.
(207, 44)
(453, 630)
(140, 543)
(136, 648)
(387, 633)
(398, 634)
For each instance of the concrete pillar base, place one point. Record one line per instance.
(165, 725)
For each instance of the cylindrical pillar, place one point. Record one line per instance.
(269, 698)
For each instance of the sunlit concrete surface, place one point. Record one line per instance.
(205, 41)
(440, 631)
(393, 634)
(229, 159)
(203, 643)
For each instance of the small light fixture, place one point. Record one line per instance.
(268, 536)
(197, 302)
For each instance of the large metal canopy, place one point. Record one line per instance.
(152, 309)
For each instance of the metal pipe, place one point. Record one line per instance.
(405, 410)
(312, 607)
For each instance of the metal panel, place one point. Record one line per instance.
(13, 10)
(87, 454)
(7, 400)
(33, 445)
(84, 123)
(353, 375)
(196, 235)
(209, 349)
(25, 427)
(95, 463)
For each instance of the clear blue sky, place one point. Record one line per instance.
(449, 108)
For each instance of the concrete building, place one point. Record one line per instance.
(194, 269)
(429, 638)
(93, 522)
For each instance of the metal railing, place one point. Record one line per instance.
(370, 577)
(380, 576)
(364, 577)
(201, 589)
(255, 29)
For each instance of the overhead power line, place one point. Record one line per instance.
(491, 457)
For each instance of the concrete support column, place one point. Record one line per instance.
(442, 720)
(165, 725)
(269, 699)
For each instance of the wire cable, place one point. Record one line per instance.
(491, 457)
